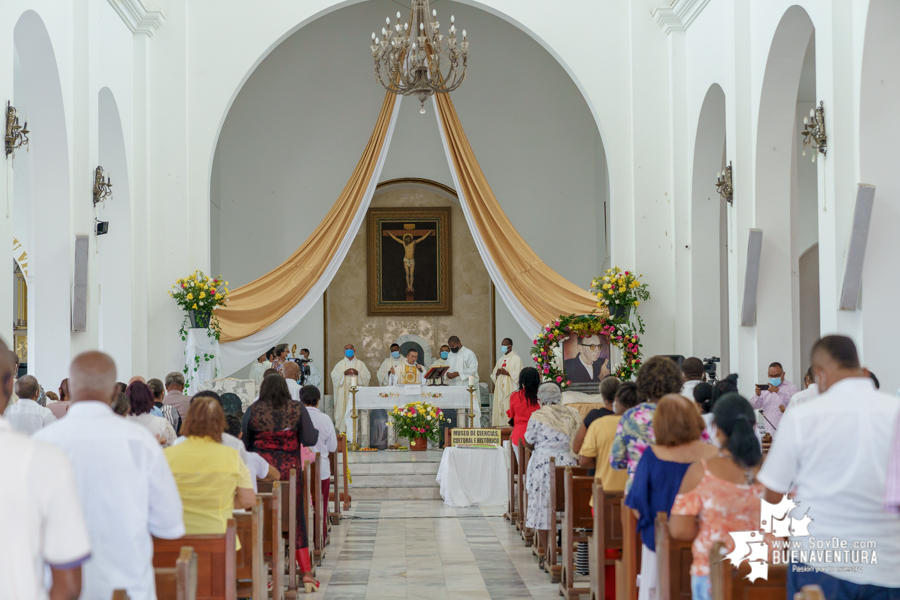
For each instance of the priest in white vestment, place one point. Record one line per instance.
(441, 362)
(257, 370)
(389, 365)
(505, 377)
(462, 363)
(348, 367)
(409, 372)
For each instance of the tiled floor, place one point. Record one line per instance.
(390, 550)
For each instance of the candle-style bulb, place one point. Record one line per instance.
(812, 113)
(398, 15)
(373, 35)
(452, 19)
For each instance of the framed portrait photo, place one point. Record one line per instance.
(409, 261)
(587, 360)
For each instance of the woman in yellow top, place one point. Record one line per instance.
(211, 477)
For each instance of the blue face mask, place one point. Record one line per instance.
(395, 354)
(348, 353)
(445, 354)
(504, 349)
(774, 381)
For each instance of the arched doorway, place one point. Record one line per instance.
(42, 188)
(114, 248)
(878, 128)
(778, 192)
(709, 235)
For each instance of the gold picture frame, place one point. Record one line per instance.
(408, 256)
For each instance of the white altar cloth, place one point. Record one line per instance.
(442, 396)
(202, 360)
(474, 476)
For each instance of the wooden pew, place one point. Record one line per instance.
(521, 470)
(557, 504)
(527, 532)
(335, 494)
(673, 560)
(606, 534)
(289, 527)
(317, 537)
(512, 510)
(120, 595)
(577, 516)
(215, 561)
(810, 592)
(273, 542)
(345, 497)
(179, 583)
(729, 583)
(250, 565)
(629, 566)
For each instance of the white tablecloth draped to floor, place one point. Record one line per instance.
(474, 476)
(202, 360)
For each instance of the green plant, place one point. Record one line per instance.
(418, 420)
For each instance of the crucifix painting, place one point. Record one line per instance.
(409, 261)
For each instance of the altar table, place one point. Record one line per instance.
(369, 398)
(474, 476)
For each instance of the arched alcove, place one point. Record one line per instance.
(45, 192)
(114, 248)
(709, 239)
(777, 143)
(879, 127)
(294, 133)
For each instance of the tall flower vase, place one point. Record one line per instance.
(199, 319)
(418, 444)
(619, 312)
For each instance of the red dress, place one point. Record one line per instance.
(520, 412)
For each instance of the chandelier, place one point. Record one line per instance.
(416, 59)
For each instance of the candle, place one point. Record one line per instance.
(353, 381)
(471, 380)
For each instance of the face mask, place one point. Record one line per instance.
(455, 350)
(775, 381)
(395, 354)
(348, 353)
(504, 349)
(444, 354)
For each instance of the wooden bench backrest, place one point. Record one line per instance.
(273, 543)
(215, 561)
(577, 515)
(179, 583)
(631, 557)
(729, 583)
(673, 560)
(318, 518)
(249, 560)
(335, 513)
(606, 534)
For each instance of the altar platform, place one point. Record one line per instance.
(389, 475)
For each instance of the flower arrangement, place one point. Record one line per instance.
(418, 420)
(620, 334)
(620, 291)
(201, 294)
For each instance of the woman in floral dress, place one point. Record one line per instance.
(550, 431)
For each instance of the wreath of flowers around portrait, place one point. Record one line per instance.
(619, 332)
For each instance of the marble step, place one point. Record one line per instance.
(392, 480)
(395, 493)
(394, 468)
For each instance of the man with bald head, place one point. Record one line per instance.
(291, 373)
(41, 521)
(27, 416)
(124, 482)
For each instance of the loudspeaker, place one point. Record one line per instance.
(79, 300)
(856, 253)
(751, 278)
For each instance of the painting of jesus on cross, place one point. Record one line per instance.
(409, 261)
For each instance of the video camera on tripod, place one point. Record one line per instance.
(303, 363)
(709, 367)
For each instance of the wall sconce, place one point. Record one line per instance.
(814, 131)
(16, 135)
(723, 184)
(102, 188)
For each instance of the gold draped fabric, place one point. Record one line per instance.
(543, 292)
(255, 306)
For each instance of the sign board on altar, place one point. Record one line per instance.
(483, 437)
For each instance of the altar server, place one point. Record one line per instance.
(408, 373)
(389, 365)
(259, 367)
(463, 364)
(340, 377)
(505, 376)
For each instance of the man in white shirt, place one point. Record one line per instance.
(124, 483)
(326, 444)
(27, 416)
(463, 364)
(692, 369)
(291, 373)
(259, 367)
(41, 522)
(389, 366)
(833, 453)
(811, 391)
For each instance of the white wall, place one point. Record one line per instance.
(526, 120)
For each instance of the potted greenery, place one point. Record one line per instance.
(418, 421)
